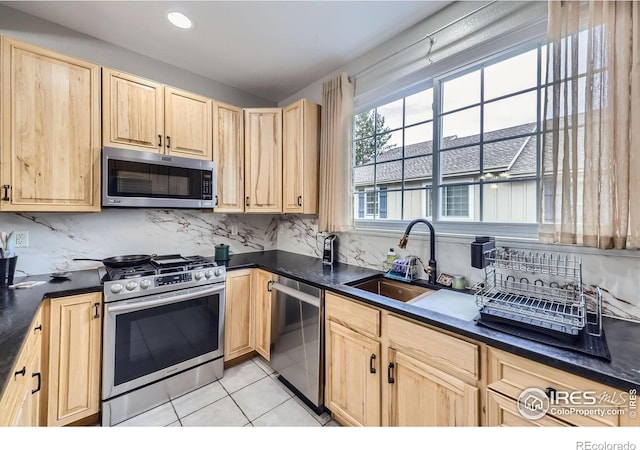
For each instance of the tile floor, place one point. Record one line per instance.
(249, 394)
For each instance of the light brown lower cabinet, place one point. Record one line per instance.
(20, 402)
(74, 342)
(509, 375)
(263, 313)
(382, 369)
(247, 313)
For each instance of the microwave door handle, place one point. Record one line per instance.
(302, 296)
(164, 300)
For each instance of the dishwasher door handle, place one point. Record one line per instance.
(302, 296)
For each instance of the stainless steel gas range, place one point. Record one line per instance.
(163, 332)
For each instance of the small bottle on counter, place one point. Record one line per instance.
(391, 256)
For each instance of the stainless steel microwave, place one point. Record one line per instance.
(144, 179)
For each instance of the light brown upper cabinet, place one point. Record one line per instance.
(267, 159)
(301, 125)
(50, 122)
(228, 154)
(263, 160)
(141, 114)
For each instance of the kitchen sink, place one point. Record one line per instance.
(395, 289)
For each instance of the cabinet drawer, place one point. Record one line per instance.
(509, 374)
(353, 315)
(453, 355)
(503, 412)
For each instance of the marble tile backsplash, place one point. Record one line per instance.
(617, 276)
(55, 239)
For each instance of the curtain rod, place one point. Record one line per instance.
(428, 36)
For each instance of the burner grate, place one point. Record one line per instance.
(164, 264)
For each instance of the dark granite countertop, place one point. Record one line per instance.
(623, 337)
(18, 307)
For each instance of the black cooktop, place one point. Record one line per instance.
(158, 265)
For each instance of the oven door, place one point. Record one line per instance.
(150, 338)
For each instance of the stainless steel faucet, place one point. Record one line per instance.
(431, 271)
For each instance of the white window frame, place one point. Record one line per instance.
(505, 46)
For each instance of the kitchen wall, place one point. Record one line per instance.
(33, 30)
(615, 272)
(55, 239)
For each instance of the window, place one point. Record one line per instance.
(477, 129)
(371, 204)
(455, 202)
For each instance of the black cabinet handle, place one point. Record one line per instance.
(390, 378)
(246, 202)
(168, 141)
(269, 284)
(20, 372)
(216, 204)
(39, 327)
(551, 392)
(299, 200)
(39, 382)
(6, 188)
(97, 314)
(159, 140)
(372, 358)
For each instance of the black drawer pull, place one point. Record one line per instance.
(39, 382)
(159, 140)
(97, 314)
(39, 327)
(246, 202)
(299, 200)
(216, 204)
(20, 372)
(6, 188)
(269, 284)
(372, 358)
(390, 378)
(168, 141)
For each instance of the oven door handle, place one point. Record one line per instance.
(165, 300)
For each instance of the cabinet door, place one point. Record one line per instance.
(263, 160)
(239, 314)
(421, 395)
(74, 358)
(228, 154)
(20, 403)
(352, 390)
(50, 115)
(300, 147)
(263, 313)
(132, 112)
(187, 124)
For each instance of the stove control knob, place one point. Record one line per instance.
(208, 273)
(144, 284)
(219, 271)
(115, 288)
(131, 285)
(198, 276)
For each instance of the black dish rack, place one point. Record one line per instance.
(554, 303)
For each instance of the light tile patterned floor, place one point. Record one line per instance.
(249, 394)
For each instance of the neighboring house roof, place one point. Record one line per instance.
(518, 156)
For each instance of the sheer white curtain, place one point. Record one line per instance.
(591, 135)
(336, 165)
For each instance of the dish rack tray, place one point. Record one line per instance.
(554, 303)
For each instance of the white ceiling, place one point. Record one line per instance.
(271, 49)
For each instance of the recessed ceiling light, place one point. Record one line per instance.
(179, 20)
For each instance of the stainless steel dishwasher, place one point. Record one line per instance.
(297, 338)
